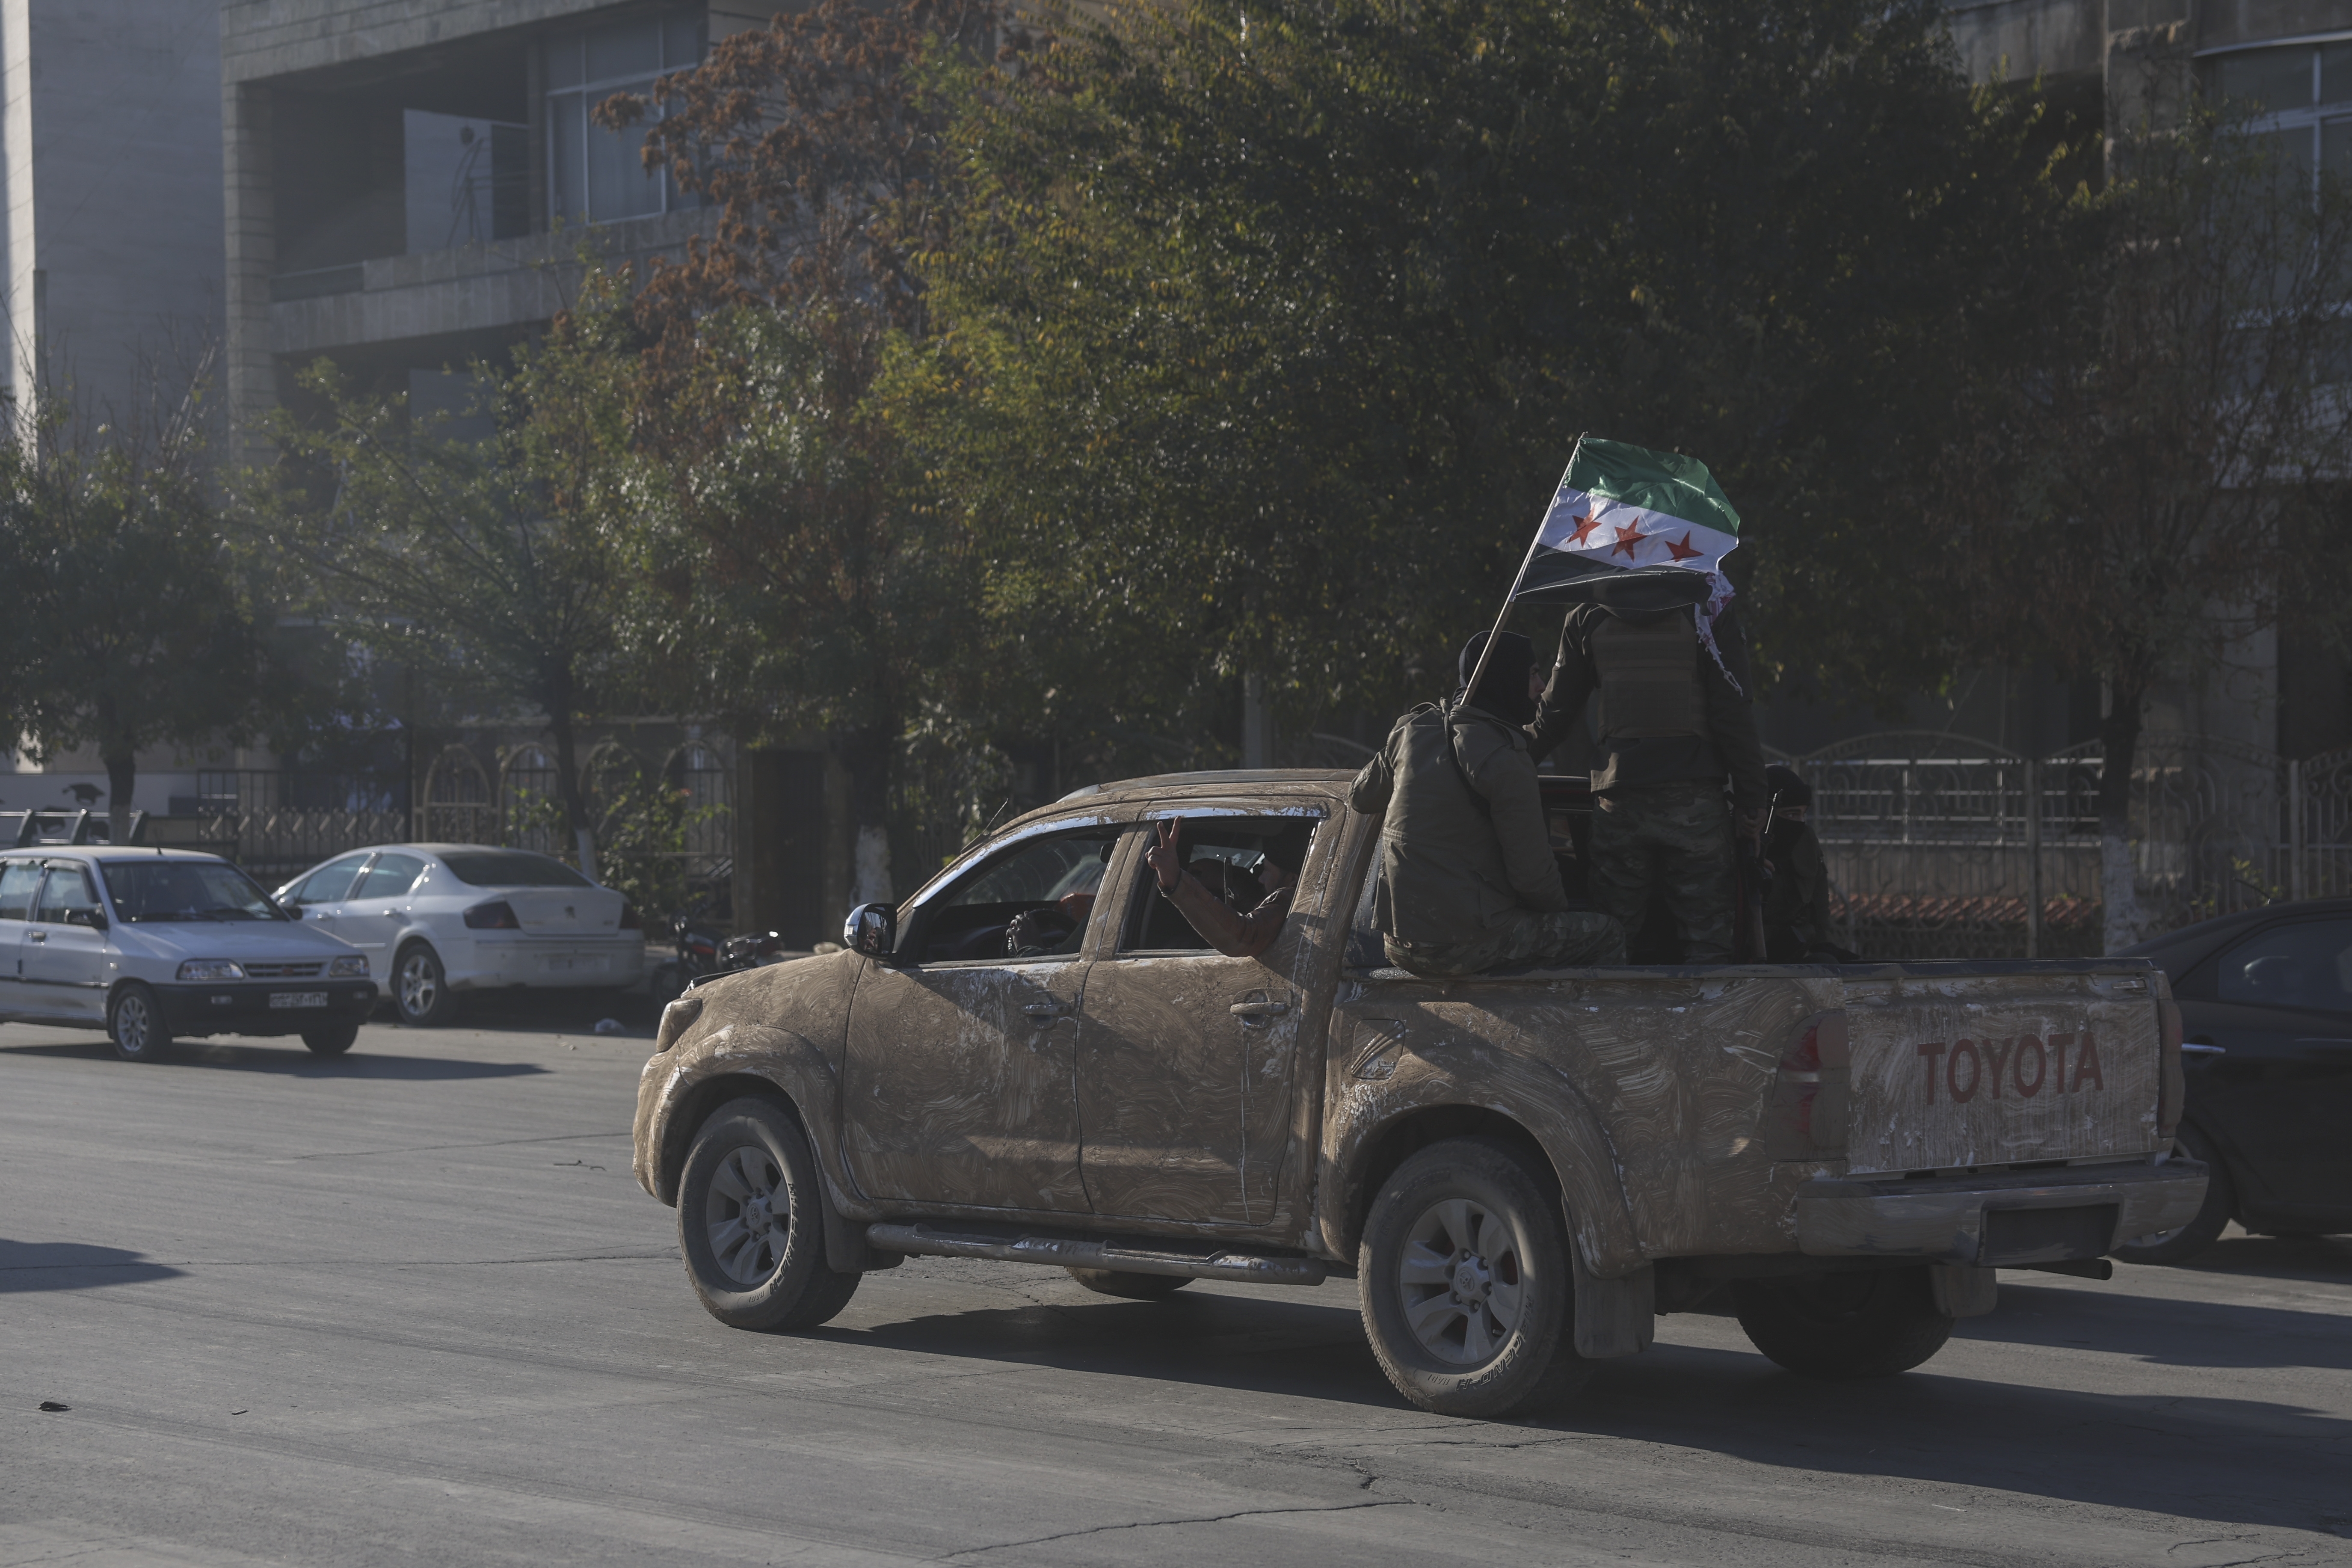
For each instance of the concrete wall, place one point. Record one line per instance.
(2222, 23)
(110, 153)
(2017, 40)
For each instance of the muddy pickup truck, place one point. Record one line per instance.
(1519, 1170)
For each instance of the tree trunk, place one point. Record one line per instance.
(121, 772)
(560, 728)
(867, 753)
(2118, 876)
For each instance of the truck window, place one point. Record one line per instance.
(2306, 965)
(1056, 875)
(1226, 854)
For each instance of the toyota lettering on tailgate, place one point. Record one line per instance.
(2024, 1065)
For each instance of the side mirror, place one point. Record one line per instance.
(94, 919)
(872, 930)
(288, 908)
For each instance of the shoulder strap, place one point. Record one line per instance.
(1453, 754)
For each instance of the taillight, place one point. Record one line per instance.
(629, 921)
(1805, 1110)
(2170, 1090)
(495, 915)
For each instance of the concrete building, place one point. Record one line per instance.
(110, 155)
(412, 186)
(2111, 63)
(411, 183)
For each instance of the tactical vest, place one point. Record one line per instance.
(1649, 676)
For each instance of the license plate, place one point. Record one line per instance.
(572, 965)
(297, 998)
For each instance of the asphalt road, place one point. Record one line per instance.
(408, 1307)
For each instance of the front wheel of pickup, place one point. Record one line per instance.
(1843, 1325)
(1467, 1297)
(751, 1222)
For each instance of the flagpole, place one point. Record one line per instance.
(1526, 560)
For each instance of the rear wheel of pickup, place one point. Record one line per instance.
(2177, 1246)
(751, 1222)
(1134, 1286)
(1467, 1297)
(1843, 1325)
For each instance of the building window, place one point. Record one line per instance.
(595, 176)
(469, 180)
(2298, 94)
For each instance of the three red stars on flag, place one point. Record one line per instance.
(1629, 539)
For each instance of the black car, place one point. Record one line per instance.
(2266, 1044)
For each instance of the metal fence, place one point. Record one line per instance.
(1939, 848)
(277, 823)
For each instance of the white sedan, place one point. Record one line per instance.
(442, 920)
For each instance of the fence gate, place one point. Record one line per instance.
(458, 804)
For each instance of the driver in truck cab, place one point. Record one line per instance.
(1466, 879)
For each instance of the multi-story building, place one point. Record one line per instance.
(412, 187)
(2111, 64)
(109, 151)
(412, 183)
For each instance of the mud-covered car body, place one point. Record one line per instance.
(1139, 1102)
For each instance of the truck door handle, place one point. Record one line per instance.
(1043, 1009)
(2200, 1048)
(1259, 1009)
(37, 936)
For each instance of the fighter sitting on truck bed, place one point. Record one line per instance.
(1519, 1170)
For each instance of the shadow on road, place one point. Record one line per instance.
(2164, 1331)
(2256, 1461)
(1302, 1347)
(2321, 1259)
(72, 1266)
(295, 1060)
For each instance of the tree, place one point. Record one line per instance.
(817, 596)
(487, 566)
(1268, 328)
(129, 623)
(2157, 471)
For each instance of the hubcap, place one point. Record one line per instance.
(418, 985)
(1460, 1281)
(130, 1024)
(747, 1215)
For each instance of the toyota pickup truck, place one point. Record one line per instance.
(1519, 1170)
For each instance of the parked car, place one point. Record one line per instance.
(156, 944)
(442, 920)
(2266, 1041)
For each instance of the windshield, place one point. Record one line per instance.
(163, 889)
(511, 868)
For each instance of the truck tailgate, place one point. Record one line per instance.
(1957, 1069)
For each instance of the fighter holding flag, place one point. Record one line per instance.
(1634, 542)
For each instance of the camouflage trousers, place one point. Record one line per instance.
(1567, 940)
(1673, 840)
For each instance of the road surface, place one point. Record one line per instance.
(408, 1307)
